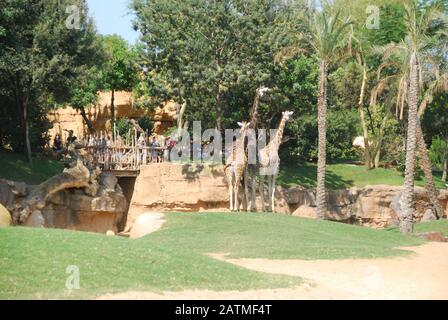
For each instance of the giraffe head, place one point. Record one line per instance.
(287, 115)
(243, 126)
(262, 91)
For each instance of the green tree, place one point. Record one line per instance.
(413, 56)
(120, 71)
(41, 51)
(326, 35)
(209, 55)
(84, 92)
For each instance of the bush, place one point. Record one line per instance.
(437, 152)
(342, 129)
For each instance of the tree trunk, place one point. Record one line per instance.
(445, 161)
(321, 200)
(87, 120)
(218, 107)
(27, 132)
(379, 143)
(425, 164)
(180, 121)
(367, 157)
(407, 199)
(112, 109)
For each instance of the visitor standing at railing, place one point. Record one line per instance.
(141, 142)
(154, 152)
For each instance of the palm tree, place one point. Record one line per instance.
(323, 34)
(413, 58)
(327, 38)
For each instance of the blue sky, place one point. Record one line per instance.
(113, 17)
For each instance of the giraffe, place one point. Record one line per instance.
(252, 168)
(269, 162)
(235, 167)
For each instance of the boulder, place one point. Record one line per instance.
(433, 236)
(5, 217)
(147, 223)
(305, 212)
(109, 181)
(35, 220)
(429, 215)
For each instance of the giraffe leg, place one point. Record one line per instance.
(254, 193)
(270, 193)
(273, 194)
(236, 189)
(229, 179)
(246, 191)
(261, 186)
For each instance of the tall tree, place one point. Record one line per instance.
(84, 93)
(326, 34)
(41, 51)
(412, 56)
(202, 52)
(120, 70)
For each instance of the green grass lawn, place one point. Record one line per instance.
(340, 176)
(433, 226)
(15, 167)
(33, 262)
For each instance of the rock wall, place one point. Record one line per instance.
(369, 206)
(195, 188)
(72, 208)
(70, 119)
(178, 187)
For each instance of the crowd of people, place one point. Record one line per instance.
(114, 153)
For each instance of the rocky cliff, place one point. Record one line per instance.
(70, 119)
(72, 208)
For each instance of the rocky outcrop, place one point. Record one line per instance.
(371, 206)
(72, 208)
(5, 217)
(70, 119)
(165, 187)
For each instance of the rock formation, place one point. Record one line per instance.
(372, 206)
(79, 198)
(70, 119)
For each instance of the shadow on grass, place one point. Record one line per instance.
(305, 175)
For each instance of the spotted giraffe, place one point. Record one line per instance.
(252, 168)
(269, 162)
(235, 168)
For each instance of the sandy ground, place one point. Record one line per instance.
(423, 275)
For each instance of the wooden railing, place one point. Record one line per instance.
(125, 158)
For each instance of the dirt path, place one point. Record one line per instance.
(423, 275)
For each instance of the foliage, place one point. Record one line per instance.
(120, 70)
(211, 54)
(146, 123)
(123, 126)
(14, 167)
(342, 131)
(342, 176)
(437, 152)
(39, 60)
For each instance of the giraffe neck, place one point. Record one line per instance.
(238, 145)
(280, 130)
(254, 120)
